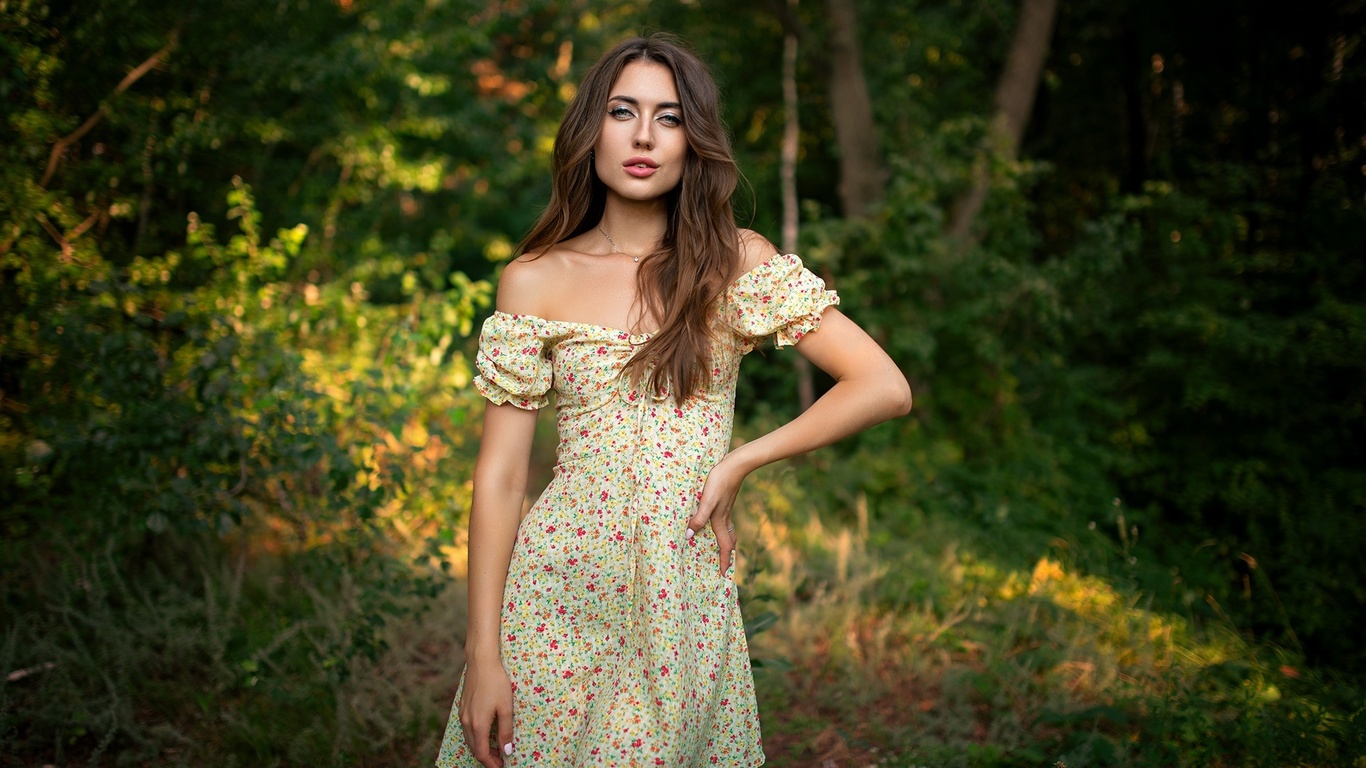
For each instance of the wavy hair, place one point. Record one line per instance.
(680, 282)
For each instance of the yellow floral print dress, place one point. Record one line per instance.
(624, 645)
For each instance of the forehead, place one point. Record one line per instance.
(646, 81)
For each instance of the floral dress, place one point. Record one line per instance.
(624, 645)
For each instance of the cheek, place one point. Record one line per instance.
(600, 145)
(602, 153)
(685, 157)
(608, 136)
(681, 148)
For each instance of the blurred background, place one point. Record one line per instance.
(1117, 247)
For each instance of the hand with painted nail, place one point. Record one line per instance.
(718, 496)
(487, 702)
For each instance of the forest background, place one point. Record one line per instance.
(1116, 246)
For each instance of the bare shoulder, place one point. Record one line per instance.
(522, 286)
(755, 249)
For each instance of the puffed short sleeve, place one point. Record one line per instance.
(779, 298)
(513, 367)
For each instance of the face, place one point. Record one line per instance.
(642, 147)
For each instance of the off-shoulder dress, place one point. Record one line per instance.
(624, 645)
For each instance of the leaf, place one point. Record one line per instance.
(760, 623)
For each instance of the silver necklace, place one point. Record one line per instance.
(615, 249)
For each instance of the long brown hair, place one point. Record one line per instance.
(681, 282)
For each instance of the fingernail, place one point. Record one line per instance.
(507, 748)
(688, 534)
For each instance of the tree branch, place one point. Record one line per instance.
(67, 250)
(9, 241)
(64, 241)
(81, 228)
(66, 141)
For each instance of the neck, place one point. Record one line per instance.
(637, 227)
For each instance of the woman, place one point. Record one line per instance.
(604, 628)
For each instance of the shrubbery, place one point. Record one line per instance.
(1119, 528)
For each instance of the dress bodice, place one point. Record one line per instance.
(603, 413)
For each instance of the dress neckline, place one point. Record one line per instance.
(623, 332)
(572, 323)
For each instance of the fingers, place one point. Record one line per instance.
(699, 519)
(467, 725)
(714, 508)
(726, 541)
(505, 729)
(486, 713)
(724, 528)
(479, 748)
(477, 737)
(713, 499)
(490, 757)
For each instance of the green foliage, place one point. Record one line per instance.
(279, 662)
(1181, 334)
(164, 428)
(978, 662)
(1236, 367)
(175, 399)
(1002, 435)
(236, 435)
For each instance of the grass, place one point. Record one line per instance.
(923, 652)
(257, 662)
(931, 650)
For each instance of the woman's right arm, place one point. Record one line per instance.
(500, 478)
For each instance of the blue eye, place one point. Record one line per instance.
(671, 119)
(620, 112)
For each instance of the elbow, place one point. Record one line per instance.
(499, 484)
(898, 397)
(901, 399)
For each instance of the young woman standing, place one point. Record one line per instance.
(604, 628)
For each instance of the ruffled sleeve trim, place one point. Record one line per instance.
(779, 298)
(512, 363)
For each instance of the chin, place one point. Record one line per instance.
(638, 195)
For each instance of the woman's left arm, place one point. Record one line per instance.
(869, 389)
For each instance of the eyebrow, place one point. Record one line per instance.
(636, 102)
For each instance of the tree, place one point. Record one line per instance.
(1012, 104)
(862, 174)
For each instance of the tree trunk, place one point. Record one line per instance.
(787, 170)
(1014, 101)
(862, 176)
(1135, 120)
(806, 389)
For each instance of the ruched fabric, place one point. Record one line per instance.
(513, 367)
(779, 298)
(624, 644)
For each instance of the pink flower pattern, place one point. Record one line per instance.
(624, 645)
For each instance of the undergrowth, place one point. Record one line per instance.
(870, 650)
(232, 658)
(924, 651)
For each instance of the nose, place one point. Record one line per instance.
(644, 134)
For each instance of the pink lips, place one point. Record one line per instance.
(640, 167)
